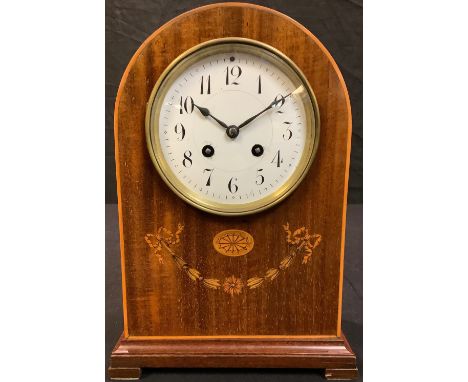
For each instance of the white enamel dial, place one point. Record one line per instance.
(232, 128)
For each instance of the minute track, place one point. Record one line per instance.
(269, 102)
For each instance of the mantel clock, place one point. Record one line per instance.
(232, 134)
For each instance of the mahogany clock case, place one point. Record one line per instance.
(174, 317)
(352, 312)
(336, 23)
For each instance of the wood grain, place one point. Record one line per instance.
(333, 355)
(158, 301)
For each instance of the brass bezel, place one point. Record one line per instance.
(152, 135)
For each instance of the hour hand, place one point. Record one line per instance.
(206, 113)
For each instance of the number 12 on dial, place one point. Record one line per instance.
(232, 126)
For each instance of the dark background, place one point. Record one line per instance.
(336, 23)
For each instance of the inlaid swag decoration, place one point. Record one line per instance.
(300, 243)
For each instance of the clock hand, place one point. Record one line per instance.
(274, 103)
(206, 113)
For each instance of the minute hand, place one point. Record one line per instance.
(274, 103)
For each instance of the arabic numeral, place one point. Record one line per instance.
(236, 72)
(260, 177)
(186, 105)
(187, 161)
(277, 158)
(179, 129)
(287, 135)
(232, 187)
(210, 170)
(208, 85)
(279, 102)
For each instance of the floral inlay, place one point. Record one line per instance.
(300, 242)
(233, 242)
(233, 285)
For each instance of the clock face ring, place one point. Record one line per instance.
(232, 126)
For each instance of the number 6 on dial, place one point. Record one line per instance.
(245, 126)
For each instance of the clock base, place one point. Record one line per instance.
(331, 353)
(124, 373)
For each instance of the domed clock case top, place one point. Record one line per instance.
(232, 138)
